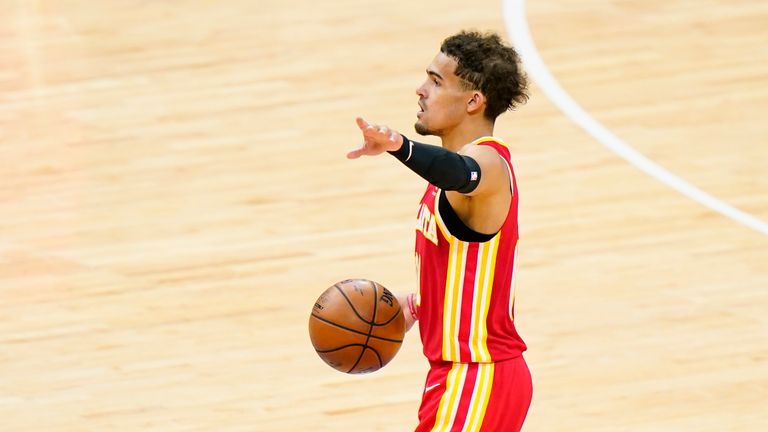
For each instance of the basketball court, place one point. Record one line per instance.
(174, 195)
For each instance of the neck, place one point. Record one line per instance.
(465, 134)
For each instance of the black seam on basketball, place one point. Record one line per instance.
(370, 329)
(351, 305)
(340, 348)
(356, 331)
(378, 356)
(390, 320)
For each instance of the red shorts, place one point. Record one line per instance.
(487, 397)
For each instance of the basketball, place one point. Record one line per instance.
(357, 326)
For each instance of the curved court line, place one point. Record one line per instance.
(517, 27)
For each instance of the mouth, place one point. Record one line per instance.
(420, 111)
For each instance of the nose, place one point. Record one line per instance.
(421, 90)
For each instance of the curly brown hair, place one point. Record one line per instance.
(487, 64)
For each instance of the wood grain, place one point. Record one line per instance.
(174, 196)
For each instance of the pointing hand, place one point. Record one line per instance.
(376, 140)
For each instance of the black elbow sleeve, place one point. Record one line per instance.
(443, 168)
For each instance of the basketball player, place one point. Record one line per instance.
(466, 236)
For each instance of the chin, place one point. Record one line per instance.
(422, 130)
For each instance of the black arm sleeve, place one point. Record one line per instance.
(443, 168)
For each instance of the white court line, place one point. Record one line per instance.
(517, 27)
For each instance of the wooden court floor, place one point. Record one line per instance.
(174, 196)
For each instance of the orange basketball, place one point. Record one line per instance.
(357, 326)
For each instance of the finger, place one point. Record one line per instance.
(392, 136)
(362, 124)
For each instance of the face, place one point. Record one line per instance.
(442, 100)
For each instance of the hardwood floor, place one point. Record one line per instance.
(174, 195)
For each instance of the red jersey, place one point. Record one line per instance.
(466, 288)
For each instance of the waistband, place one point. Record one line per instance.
(439, 363)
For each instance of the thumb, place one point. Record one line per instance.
(356, 153)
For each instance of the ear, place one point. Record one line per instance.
(476, 102)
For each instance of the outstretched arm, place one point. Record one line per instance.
(443, 168)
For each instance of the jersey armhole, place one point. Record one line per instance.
(455, 226)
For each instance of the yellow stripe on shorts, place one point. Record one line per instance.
(449, 402)
(480, 397)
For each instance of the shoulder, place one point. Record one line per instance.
(494, 143)
(493, 166)
(487, 152)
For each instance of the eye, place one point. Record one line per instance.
(437, 83)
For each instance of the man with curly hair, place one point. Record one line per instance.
(466, 237)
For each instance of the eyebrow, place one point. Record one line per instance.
(433, 73)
